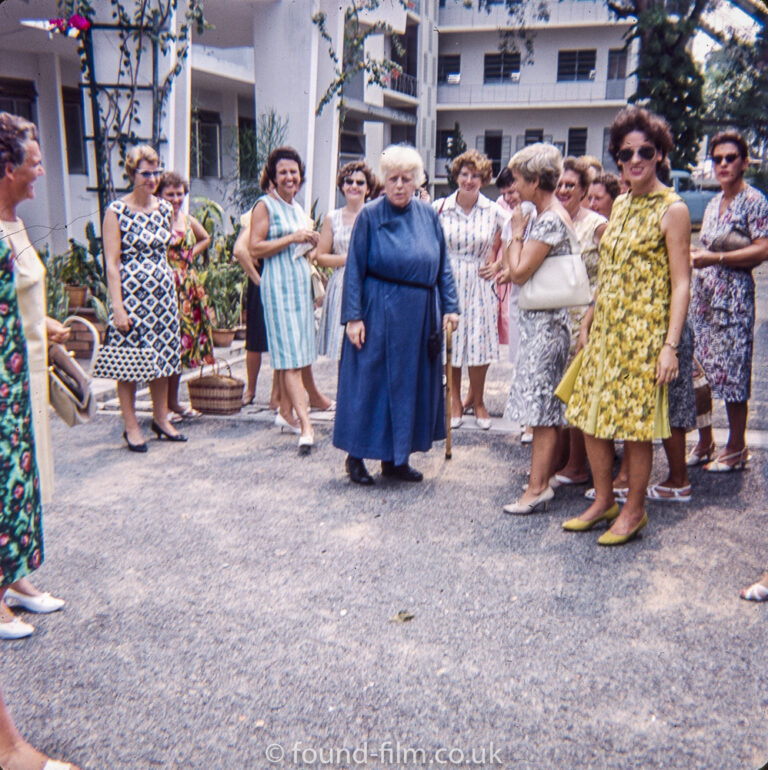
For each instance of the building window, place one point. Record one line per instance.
(18, 97)
(501, 67)
(533, 135)
(617, 64)
(449, 69)
(577, 141)
(576, 65)
(247, 156)
(443, 142)
(205, 149)
(72, 102)
(496, 146)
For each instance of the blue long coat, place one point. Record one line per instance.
(390, 400)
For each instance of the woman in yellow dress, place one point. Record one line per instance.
(641, 305)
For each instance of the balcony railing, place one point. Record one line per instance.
(513, 94)
(566, 13)
(404, 84)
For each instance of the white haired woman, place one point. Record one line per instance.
(544, 334)
(397, 283)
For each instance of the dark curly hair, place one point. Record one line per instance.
(15, 133)
(172, 179)
(282, 153)
(632, 118)
(610, 182)
(579, 167)
(731, 137)
(357, 166)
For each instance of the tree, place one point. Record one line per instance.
(455, 146)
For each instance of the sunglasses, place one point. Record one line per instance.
(149, 174)
(729, 158)
(358, 182)
(646, 152)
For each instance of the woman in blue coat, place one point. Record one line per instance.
(398, 293)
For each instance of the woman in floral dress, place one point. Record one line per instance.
(642, 301)
(189, 239)
(734, 234)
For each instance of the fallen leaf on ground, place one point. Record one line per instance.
(402, 617)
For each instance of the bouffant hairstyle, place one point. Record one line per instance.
(630, 119)
(730, 137)
(402, 157)
(15, 133)
(610, 182)
(135, 155)
(475, 160)
(539, 162)
(172, 179)
(283, 153)
(355, 167)
(579, 167)
(664, 172)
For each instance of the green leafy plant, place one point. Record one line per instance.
(224, 279)
(57, 299)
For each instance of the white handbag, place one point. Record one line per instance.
(559, 281)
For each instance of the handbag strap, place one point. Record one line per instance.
(94, 334)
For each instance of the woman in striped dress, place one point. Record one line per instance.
(281, 236)
(355, 182)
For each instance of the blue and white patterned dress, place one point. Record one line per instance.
(147, 284)
(469, 238)
(331, 333)
(286, 290)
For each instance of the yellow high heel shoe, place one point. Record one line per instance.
(579, 525)
(608, 538)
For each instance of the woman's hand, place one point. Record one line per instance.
(585, 326)
(121, 320)
(489, 270)
(452, 319)
(56, 330)
(504, 275)
(306, 236)
(666, 366)
(518, 222)
(703, 258)
(356, 333)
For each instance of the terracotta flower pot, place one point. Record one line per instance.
(78, 296)
(223, 338)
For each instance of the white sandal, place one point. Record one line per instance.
(757, 592)
(664, 494)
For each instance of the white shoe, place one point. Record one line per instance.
(526, 437)
(484, 423)
(538, 503)
(456, 422)
(306, 442)
(54, 764)
(283, 424)
(43, 603)
(16, 629)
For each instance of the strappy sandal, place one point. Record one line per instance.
(695, 457)
(664, 494)
(736, 461)
(620, 493)
(757, 592)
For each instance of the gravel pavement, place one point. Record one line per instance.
(233, 605)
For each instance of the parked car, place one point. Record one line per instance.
(695, 194)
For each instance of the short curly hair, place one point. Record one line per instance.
(579, 167)
(632, 118)
(475, 160)
(282, 153)
(539, 162)
(172, 179)
(15, 134)
(355, 167)
(610, 182)
(135, 155)
(730, 137)
(402, 157)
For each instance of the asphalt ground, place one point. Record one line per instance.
(233, 605)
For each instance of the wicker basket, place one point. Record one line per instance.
(216, 393)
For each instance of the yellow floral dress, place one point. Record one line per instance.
(615, 394)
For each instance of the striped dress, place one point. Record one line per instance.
(286, 291)
(331, 333)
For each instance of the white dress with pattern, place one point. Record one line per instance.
(331, 333)
(469, 238)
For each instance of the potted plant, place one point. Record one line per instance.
(81, 270)
(224, 283)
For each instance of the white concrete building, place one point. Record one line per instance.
(568, 94)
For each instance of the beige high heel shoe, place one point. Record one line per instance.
(736, 461)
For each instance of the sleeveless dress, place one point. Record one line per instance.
(29, 276)
(147, 285)
(331, 333)
(195, 316)
(286, 291)
(615, 394)
(21, 531)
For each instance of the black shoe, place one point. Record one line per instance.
(160, 433)
(135, 447)
(357, 471)
(403, 472)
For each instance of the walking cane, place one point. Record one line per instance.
(448, 378)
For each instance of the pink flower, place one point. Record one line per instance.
(16, 362)
(4, 390)
(5, 538)
(79, 22)
(26, 461)
(35, 558)
(18, 491)
(186, 342)
(60, 24)
(3, 308)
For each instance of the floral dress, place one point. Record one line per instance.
(723, 298)
(196, 317)
(615, 394)
(21, 531)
